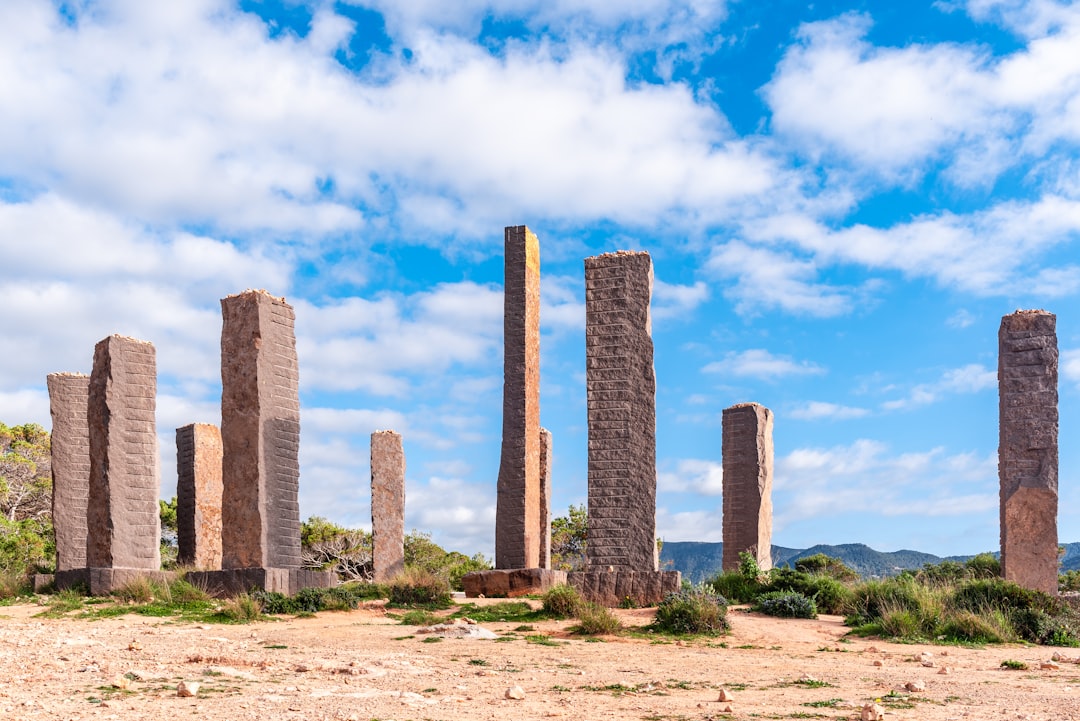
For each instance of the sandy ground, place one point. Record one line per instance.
(363, 665)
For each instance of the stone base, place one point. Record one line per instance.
(289, 581)
(612, 588)
(510, 583)
(44, 582)
(103, 581)
(71, 578)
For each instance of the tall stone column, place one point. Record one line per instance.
(1028, 448)
(545, 498)
(198, 495)
(748, 473)
(517, 514)
(123, 521)
(387, 505)
(621, 386)
(260, 437)
(68, 394)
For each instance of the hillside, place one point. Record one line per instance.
(698, 561)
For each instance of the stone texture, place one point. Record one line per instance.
(510, 583)
(1028, 448)
(747, 446)
(231, 581)
(612, 588)
(621, 386)
(260, 433)
(545, 498)
(517, 513)
(124, 528)
(68, 395)
(198, 495)
(387, 505)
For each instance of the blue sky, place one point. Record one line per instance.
(841, 200)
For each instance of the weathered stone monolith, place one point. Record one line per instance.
(545, 498)
(621, 386)
(198, 495)
(747, 447)
(122, 517)
(260, 436)
(517, 514)
(387, 505)
(1028, 448)
(68, 393)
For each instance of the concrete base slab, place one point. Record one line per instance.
(510, 583)
(289, 581)
(613, 588)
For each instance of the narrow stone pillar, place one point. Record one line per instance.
(1028, 448)
(747, 446)
(198, 495)
(545, 498)
(68, 393)
(517, 514)
(123, 521)
(260, 433)
(260, 439)
(621, 385)
(387, 505)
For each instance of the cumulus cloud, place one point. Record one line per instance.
(760, 363)
(971, 378)
(865, 478)
(821, 410)
(691, 475)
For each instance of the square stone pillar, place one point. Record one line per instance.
(545, 498)
(198, 495)
(123, 516)
(68, 394)
(1028, 448)
(387, 505)
(748, 474)
(260, 437)
(621, 386)
(517, 514)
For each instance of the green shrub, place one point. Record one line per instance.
(824, 565)
(901, 623)
(786, 604)
(13, 585)
(594, 619)
(983, 565)
(748, 567)
(692, 610)
(735, 587)
(417, 587)
(419, 617)
(976, 628)
(829, 594)
(245, 608)
(183, 592)
(1069, 582)
(561, 601)
(138, 590)
(869, 600)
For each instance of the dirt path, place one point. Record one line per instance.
(363, 665)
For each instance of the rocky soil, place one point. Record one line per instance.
(364, 665)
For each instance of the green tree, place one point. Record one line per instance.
(27, 543)
(569, 535)
(327, 546)
(170, 544)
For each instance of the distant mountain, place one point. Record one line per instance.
(699, 561)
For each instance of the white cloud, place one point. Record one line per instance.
(960, 319)
(692, 475)
(760, 363)
(380, 345)
(1069, 364)
(971, 378)
(697, 525)
(864, 478)
(677, 301)
(818, 410)
(766, 278)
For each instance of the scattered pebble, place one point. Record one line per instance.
(187, 689)
(515, 692)
(915, 686)
(725, 696)
(872, 712)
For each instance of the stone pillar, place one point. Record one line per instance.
(545, 498)
(123, 522)
(748, 473)
(198, 495)
(621, 386)
(68, 393)
(260, 439)
(1028, 448)
(517, 515)
(387, 505)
